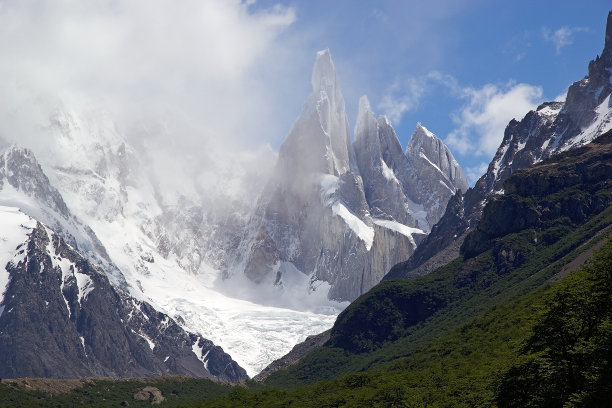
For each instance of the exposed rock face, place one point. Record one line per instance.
(412, 189)
(151, 394)
(62, 318)
(339, 212)
(552, 128)
(437, 173)
(380, 159)
(579, 180)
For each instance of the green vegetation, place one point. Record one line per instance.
(568, 358)
(177, 391)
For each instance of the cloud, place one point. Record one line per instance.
(518, 46)
(401, 97)
(380, 15)
(479, 123)
(405, 95)
(205, 59)
(188, 83)
(561, 37)
(482, 120)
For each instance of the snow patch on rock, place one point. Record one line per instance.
(360, 228)
(15, 228)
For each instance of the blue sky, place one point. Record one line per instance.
(462, 68)
(233, 74)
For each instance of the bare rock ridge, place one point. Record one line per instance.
(343, 212)
(552, 128)
(21, 172)
(437, 172)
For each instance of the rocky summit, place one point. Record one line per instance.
(339, 212)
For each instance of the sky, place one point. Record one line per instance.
(463, 69)
(235, 73)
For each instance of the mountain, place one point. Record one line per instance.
(487, 330)
(520, 319)
(559, 210)
(337, 214)
(222, 237)
(165, 233)
(552, 128)
(437, 173)
(60, 315)
(410, 188)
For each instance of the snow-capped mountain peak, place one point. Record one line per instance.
(425, 145)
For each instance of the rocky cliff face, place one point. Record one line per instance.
(313, 215)
(339, 212)
(571, 187)
(438, 176)
(61, 317)
(380, 160)
(552, 128)
(411, 188)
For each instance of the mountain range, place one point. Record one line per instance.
(331, 217)
(112, 270)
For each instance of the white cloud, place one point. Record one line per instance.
(561, 37)
(205, 59)
(561, 97)
(405, 95)
(380, 15)
(481, 122)
(401, 97)
(518, 46)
